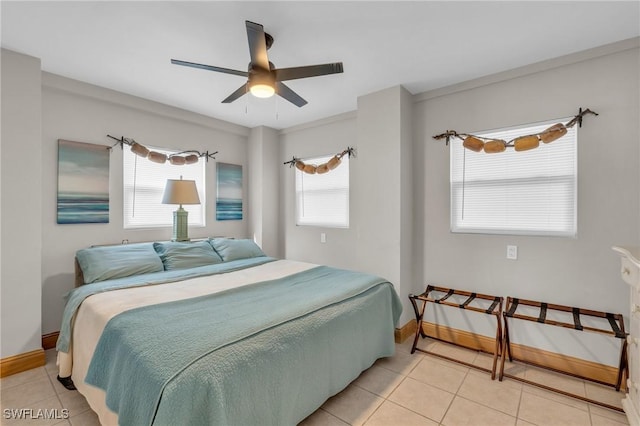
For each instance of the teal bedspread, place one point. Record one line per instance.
(266, 353)
(77, 296)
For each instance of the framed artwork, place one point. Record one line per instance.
(229, 196)
(83, 183)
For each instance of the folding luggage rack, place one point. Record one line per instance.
(616, 330)
(494, 309)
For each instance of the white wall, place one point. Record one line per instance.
(80, 112)
(264, 189)
(579, 272)
(379, 238)
(21, 204)
(383, 204)
(302, 243)
(582, 272)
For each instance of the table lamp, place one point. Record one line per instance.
(180, 192)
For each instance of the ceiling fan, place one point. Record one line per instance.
(263, 78)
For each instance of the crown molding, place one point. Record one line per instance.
(350, 115)
(63, 84)
(573, 58)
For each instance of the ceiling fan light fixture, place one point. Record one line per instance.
(262, 90)
(262, 84)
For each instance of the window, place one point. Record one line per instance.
(143, 188)
(323, 199)
(520, 193)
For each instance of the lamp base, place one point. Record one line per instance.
(180, 225)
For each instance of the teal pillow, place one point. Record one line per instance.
(231, 249)
(181, 255)
(109, 262)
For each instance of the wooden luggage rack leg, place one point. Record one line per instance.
(615, 321)
(494, 309)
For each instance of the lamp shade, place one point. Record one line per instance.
(180, 192)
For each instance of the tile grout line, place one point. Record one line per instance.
(33, 381)
(331, 414)
(455, 395)
(386, 398)
(516, 416)
(519, 405)
(584, 385)
(467, 373)
(404, 377)
(53, 385)
(407, 408)
(5, 389)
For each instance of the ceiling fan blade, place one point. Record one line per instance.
(235, 95)
(210, 68)
(257, 45)
(290, 95)
(284, 74)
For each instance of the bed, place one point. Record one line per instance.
(215, 332)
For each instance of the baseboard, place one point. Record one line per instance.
(22, 362)
(460, 337)
(566, 364)
(50, 340)
(563, 363)
(405, 331)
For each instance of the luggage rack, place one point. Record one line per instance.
(494, 309)
(616, 330)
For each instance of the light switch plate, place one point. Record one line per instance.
(512, 252)
(323, 237)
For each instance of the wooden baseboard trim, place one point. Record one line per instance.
(563, 363)
(407, 330)
(566, 364)
(460, 337)
(22, 362)
(50, 340)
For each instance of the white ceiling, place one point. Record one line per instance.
(422, 45)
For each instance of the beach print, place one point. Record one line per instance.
(229, 199)
(83, 183)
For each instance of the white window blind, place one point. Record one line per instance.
(323, 199)
(520, 193)
(143, 187)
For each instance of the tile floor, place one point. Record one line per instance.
(405, 389)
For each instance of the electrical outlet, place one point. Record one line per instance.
(512, 252)
(323, 237)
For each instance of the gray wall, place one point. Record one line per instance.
(21, 204)
(303, 242)
(80, 112)
(383, 205)
(576, 272)
(264, 189)
(379, 238)
(581, 272)
(40, 108)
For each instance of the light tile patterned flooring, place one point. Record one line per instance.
(404, 389)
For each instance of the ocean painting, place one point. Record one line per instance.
(229, 199)
(83, 183)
